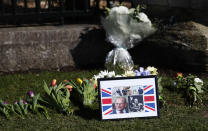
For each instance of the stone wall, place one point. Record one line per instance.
(48, 47)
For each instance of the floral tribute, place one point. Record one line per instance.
(58, 95)
(191, 86)
(21, 107)
(124, 28)
(87, 90)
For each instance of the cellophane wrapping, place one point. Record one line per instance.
(124, 32)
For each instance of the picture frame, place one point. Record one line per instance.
(128, 97)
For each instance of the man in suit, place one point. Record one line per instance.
(120, 106)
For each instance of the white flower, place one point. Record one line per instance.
(198, 81)
(118, 76)
(129, 73)
(104, 74)
(111, 74)
(152, 70)
(198, 84)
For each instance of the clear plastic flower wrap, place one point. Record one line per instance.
(124, 29)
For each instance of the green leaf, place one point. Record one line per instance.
(17, 109)
(67, 93)
(195, 96)
(45, 112)
(192, 88)
(21, 105)
(42, 100)
(60, 86)
(35, 100)
(78, 88)
(54, 98)
(59, 99)
(65, 102)
(46, 88)
(26, 109)
(138, 8)
(107, 10)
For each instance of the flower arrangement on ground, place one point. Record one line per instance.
(35, 106)
(191, 86)
(87, 90)
(59, 97)
(124, 28)
(21, 107)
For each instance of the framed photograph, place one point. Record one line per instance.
(128, 97)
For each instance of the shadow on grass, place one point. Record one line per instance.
(88, 113)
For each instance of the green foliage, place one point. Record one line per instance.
(174, 116)
(20, 108)
(107, 11)
(58, 97)
(87, 90)
(4, 108)
(36, 107)
(191, 86)
(135, 12)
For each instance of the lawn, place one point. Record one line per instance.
(174, 115)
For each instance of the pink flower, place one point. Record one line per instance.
(24, 102)
(5, 103)
(31, 94)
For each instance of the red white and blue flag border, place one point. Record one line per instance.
(106, 84)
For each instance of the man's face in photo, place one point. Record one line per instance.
(120, 104)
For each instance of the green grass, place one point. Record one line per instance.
(173, 116)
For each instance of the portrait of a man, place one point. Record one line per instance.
(136, 103)
(120, 105)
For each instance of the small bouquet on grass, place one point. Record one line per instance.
(58, 96)
(20, 108)
(5, 108)
(191, 86)
(35, 104)
(87, 91)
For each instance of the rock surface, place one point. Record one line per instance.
(182, 45)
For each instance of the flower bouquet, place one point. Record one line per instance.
(191, 86)
(59, 97)
(124, 28)
(86, 90)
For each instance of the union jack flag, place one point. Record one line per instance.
(106, 101)
(149, 98)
